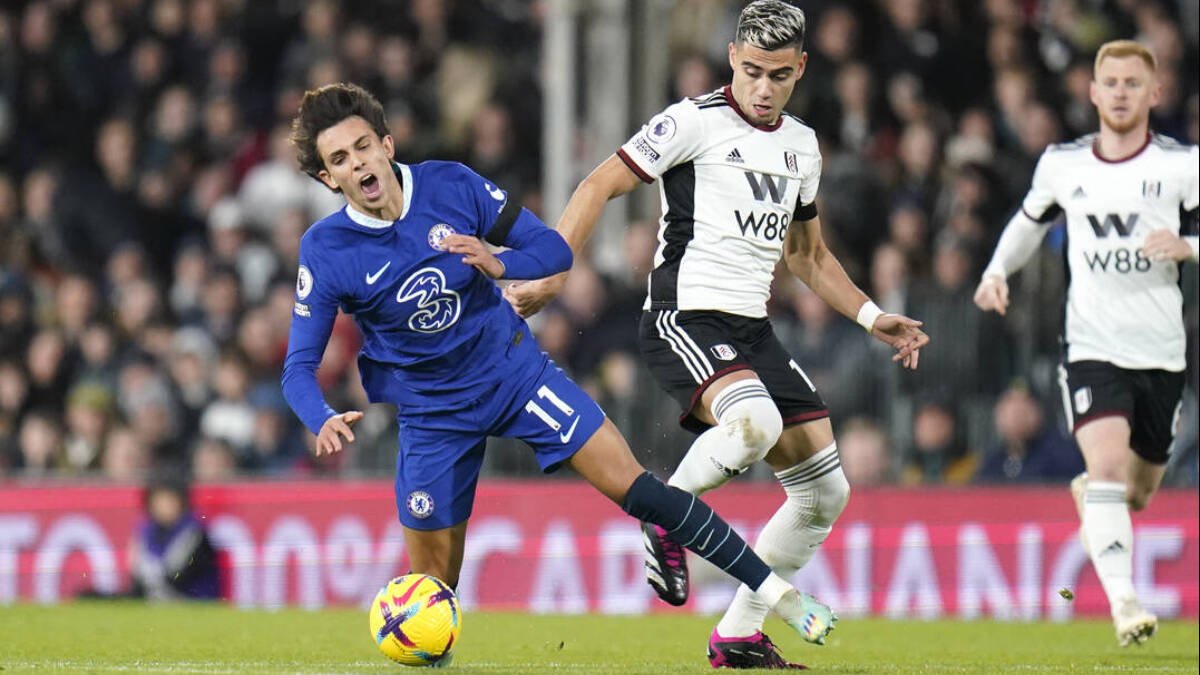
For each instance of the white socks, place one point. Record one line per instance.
(1109, 532)
(772, 589)
(817, 492)
(748, 425)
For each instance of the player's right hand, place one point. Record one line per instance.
(529, 297)
(335, 428)
(992, 294)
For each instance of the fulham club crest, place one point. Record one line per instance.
(1083, 400)
(789, 158)
(723, 352)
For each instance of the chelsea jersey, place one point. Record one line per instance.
(425, 317)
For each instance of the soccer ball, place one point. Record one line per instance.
(416, 620)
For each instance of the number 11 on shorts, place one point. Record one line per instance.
(544, 393)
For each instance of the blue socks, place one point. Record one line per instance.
(690, 523)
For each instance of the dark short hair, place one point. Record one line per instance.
(166, 480)
(771, 25)
(325, 107)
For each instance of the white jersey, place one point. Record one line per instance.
(1121, 307)
(729, 190)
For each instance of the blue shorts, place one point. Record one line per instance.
(441, 452)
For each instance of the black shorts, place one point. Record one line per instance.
(1149, 399)
(686, 351)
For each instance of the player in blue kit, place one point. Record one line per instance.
(406, 259)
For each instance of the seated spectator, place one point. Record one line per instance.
(49, 368)
(234, 246)
(192, 264)
(213, 461)
(98, 354)
(40, 443)
(938, 454)
(276, 185)
(889, 277)
(230, 417)
(126, 458)
(14, 395)
(90, 408)
(16, 314)
(172, 557)
(274, 448)
(866, 453)
(1028, 449)
(193, 356)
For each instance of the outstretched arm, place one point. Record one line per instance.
(807, 257)
(1021, 237)
(312, 322)
(306, 346)
(611, 179)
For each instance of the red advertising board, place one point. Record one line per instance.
(558, 546)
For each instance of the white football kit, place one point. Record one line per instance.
(729, 190)
(1121, 308)
(1123, 331)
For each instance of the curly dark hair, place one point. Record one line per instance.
(325, 107)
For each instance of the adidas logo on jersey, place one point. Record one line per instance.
(1078, 193)
(735, 157)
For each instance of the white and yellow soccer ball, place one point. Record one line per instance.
(416, 620)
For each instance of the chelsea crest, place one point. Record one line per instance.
(419, 504)
(436, 234)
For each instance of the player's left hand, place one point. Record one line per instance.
(529, 297)
(1163, 245)
(337, 427)
(475, 254)
(902, 334)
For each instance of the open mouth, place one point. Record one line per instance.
(761, 110)
(371, 187)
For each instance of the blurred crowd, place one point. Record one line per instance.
(151, 211)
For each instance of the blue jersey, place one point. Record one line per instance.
(432, 326)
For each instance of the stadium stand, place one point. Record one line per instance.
(151, 209)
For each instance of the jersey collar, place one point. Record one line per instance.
(404, 175)
(1118, 160)
(738, 109)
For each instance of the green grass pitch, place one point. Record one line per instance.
(123, 637)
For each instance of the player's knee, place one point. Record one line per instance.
(751, 417)
(1138, 498)
(824, 499)
(833, 497)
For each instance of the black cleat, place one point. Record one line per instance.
(666, 565)
(756, 651)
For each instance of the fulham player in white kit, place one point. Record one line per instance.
(738, 181)
(1130, 199)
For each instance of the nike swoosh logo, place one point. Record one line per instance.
(372, 278)
(566, 438)
(495, 192)
(707, 539)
